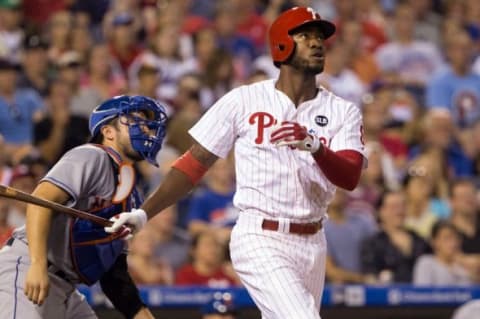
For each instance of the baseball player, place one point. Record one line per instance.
(294, 144)
(44, 259)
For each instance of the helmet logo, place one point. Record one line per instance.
(314, 14)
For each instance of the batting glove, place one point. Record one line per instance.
(296, 136)
(134, 220)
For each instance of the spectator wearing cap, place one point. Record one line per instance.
(147, 82)
(11, 33)
(69, 68)
(35, 65)
(19, 108)
(123, 40)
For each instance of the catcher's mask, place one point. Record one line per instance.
(146, 144)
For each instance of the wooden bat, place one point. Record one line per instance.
(9, 192)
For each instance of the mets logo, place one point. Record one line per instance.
(321, 120)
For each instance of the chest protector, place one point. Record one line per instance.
(93, 250)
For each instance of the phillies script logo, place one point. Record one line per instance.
(263, 120)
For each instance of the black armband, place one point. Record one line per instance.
(119, 287)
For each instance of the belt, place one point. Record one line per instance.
(59, 273)
(294, 228)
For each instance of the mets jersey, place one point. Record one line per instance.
(86, 174)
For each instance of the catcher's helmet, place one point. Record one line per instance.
(281, 42)
(220, 303)
(147, 145)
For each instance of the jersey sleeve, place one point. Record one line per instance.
(82, 171)
(350, 136)
(216, 130)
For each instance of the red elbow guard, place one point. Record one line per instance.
(191, 167)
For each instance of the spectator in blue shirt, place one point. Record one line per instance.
(458, 88)
(19, 108)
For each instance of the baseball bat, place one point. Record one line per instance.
(9, 192)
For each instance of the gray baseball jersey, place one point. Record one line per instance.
(87, 175)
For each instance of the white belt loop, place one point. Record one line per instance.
(283, 225)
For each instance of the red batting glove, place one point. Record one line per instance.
(295, 135)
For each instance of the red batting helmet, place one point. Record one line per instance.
(281, 43)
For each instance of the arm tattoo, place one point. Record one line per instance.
(204, 156)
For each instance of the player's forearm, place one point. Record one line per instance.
(38, 226)
(175, 186)
(342, 168)
(186, 172)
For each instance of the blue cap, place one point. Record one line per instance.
(220, 303)
(123, 18)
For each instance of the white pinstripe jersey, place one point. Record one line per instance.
(278, 182)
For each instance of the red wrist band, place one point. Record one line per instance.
(191, 167)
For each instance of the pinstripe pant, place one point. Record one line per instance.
(283, 273)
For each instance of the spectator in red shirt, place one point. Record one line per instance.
(207, 264)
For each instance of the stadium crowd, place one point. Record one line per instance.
(412, 66)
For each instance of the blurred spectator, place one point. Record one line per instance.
(38, 13)
(250, 24)
(432, 166)
(218, 77)
(82, 41)
(441, 268)
(60, 130)
(231, 41)
(439, 140)
(339, 78)
(458, 88)
(377, 178)
(187, 101)
(144, 268)
(465, 214)
(407, 61)
(19, 108)
(172, 243)
(164, 53)
(220, 306)
(391, 254)
(5, 170)
(123, 40)
(345, 234)
(419, 189)
(211, 207)
(11, 33)
(59, 34)
(6, 229)
(372, 35)
(24, 179)
(102, 79)
(69, 67)
(206, 266)
(35, 65)
(428, 22)
(360, 61)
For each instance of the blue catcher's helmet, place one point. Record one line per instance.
(220, 303)
(147, 145)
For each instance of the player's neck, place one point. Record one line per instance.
(297, 86)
